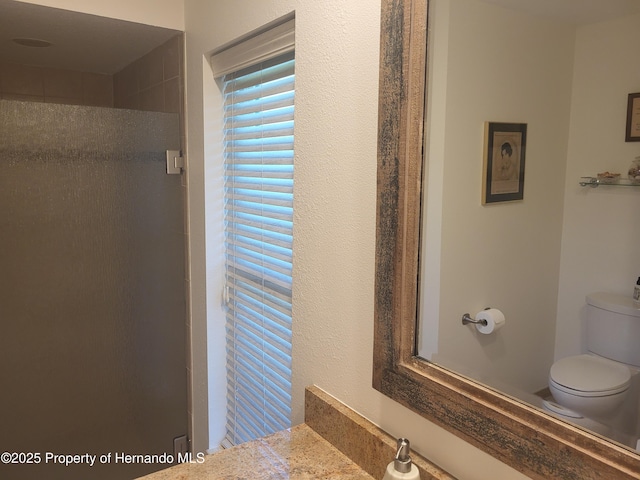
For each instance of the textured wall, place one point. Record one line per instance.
(337, 46)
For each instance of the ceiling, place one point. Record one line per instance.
(81, 42)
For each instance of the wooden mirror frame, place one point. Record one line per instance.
(515, 433)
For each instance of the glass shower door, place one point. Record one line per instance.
(92, 291)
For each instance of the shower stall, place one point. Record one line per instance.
(92, 291)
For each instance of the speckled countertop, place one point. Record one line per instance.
(334, 443)
(296, 454)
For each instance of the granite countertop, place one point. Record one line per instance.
(296, 454)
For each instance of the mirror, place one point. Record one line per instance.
(566, 73)
(515, 432)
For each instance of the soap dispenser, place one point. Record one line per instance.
(402, 468)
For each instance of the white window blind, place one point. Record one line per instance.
(258, 149)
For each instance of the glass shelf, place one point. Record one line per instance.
(617, 182)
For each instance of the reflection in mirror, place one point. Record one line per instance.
(565, 70)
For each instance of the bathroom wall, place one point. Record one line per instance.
(601, 226)
(500, 65)
(36, 84)
(337, 47)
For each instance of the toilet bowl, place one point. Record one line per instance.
(591, 385)
(564, 413)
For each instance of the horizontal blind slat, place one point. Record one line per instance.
(274, 300)
(270, 169)
(274, 238)
(273, 223)
(259, 249)
(236, 94)
(237, 81)
(259, 374)
(277, 340)
(249, 132)
(276, 115)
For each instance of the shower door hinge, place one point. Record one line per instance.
(180, 447)
(175, 162)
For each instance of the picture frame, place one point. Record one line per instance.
(633, 118)
(504, 162)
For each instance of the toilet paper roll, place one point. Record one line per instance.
(494, 319)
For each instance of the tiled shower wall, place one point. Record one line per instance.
(52, 85)
(151, 83)
(154, 82)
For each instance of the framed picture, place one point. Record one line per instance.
(633, 118)
(503, 170)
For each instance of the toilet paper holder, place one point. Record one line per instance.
(467, 319)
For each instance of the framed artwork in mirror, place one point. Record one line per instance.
(633, 118)
(504, 155)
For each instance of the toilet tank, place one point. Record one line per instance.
(613, 327)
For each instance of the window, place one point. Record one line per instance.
(258, 152)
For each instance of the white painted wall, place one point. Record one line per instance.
(337, 47)
(602, 226)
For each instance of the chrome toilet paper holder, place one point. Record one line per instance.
(467, 319)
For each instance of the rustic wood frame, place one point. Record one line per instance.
(515, 433)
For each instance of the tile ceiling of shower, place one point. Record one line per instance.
(81, 42)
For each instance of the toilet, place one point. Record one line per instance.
(588, 384)
(595, 384)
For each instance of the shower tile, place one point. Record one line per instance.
(125, 82)
(22, 98)
(172, 96)
(97, 89)
(171, 57)
(62, 84)
(131, 102)
(152, 99)
(22, 80)
(150, 69)
(64, 101)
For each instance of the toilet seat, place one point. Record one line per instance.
(589, 376)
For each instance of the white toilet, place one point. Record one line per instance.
(595, 384)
